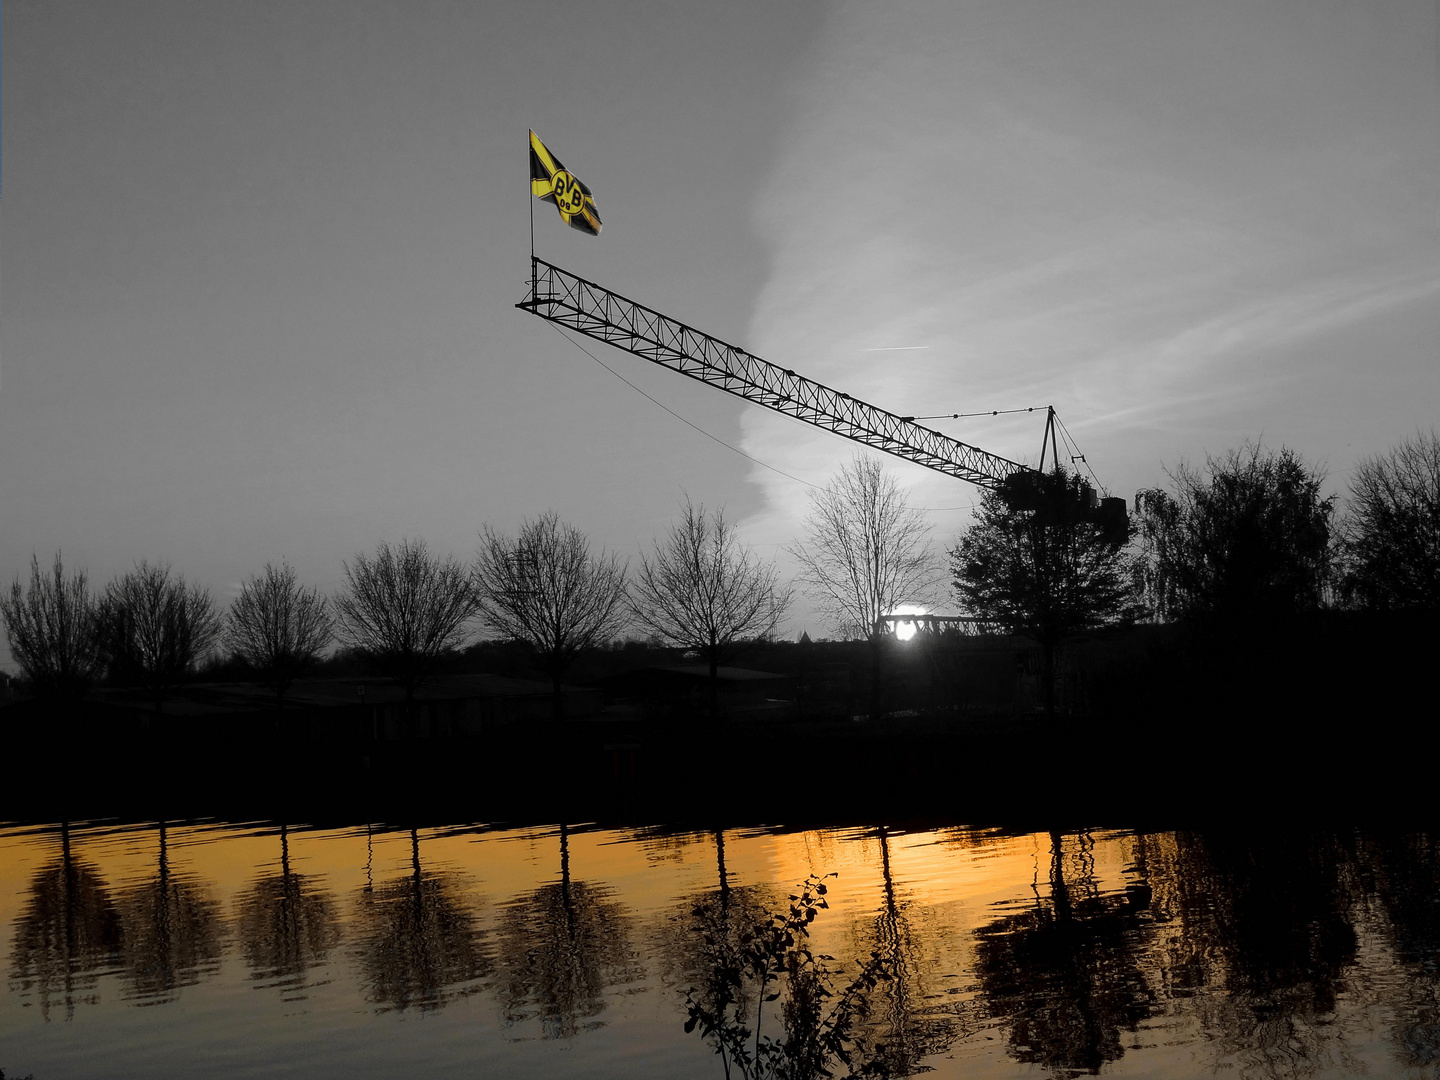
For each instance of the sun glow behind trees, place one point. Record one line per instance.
(905, 629)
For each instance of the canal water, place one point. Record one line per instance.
(261, 949)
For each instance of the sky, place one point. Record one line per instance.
(259, 261)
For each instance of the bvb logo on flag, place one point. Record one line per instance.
(569, 196)
(551, 182)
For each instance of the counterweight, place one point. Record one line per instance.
(560, 297)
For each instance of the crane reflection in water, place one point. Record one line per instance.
(1064, 973)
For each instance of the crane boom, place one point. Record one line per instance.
(560, 297)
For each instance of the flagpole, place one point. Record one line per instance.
(530, 198)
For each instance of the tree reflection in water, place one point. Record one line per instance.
(420, 946)
(172, 934)
(1265, 934)
(1407, 879)
(68, 932)
(562, 947)
(1065, 975)
(286, 926)
(708, 925)
(905, 1019)
(733, 946)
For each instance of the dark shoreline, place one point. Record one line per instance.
(1308, 721)
(991, 771)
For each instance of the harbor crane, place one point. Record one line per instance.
(561, 297)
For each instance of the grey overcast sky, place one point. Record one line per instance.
(260, 259)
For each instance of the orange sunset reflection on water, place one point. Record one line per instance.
(140, 949)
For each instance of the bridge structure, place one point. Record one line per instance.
(932, 625)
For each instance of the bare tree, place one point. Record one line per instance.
(704, 590)
(405, 609)
(53, 630)
(544, 587)
(866, 550)
(278, 627)
(155, 628)
(1392, 532)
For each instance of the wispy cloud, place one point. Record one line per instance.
(1151, 261)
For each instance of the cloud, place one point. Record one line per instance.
(1091, 212)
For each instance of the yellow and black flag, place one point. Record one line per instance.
(551, 182)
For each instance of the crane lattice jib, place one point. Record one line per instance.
(560, 297)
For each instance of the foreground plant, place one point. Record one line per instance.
(758, 965)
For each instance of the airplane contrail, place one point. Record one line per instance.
(898, 348)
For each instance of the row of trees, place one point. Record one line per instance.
(1251, 536)
(1248, 537)
(147, 628)
(404, 609)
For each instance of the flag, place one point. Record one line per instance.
(551, 182)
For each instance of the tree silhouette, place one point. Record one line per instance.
(419, 943)
(1044, 573)
(54, 631)
(67, 931)
(562, 947)
(1249, 537)
(1392, 531)
(545, 588)
(404, 609)
(865, 552)
(703, 590)
(278, 627)
(286, 926)
(154, 628)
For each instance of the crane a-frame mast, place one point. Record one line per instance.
(560, 297)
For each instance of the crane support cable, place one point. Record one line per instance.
(560, 297)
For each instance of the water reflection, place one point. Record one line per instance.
(68, 932)
(703, 938)
(562, 947)
(287, 925)
(1267, 935)
(420, 942)
(908, 1017)
(1064, 975)
(1406, 877)
(1259, 954)
(172, 935)
(747, 967)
